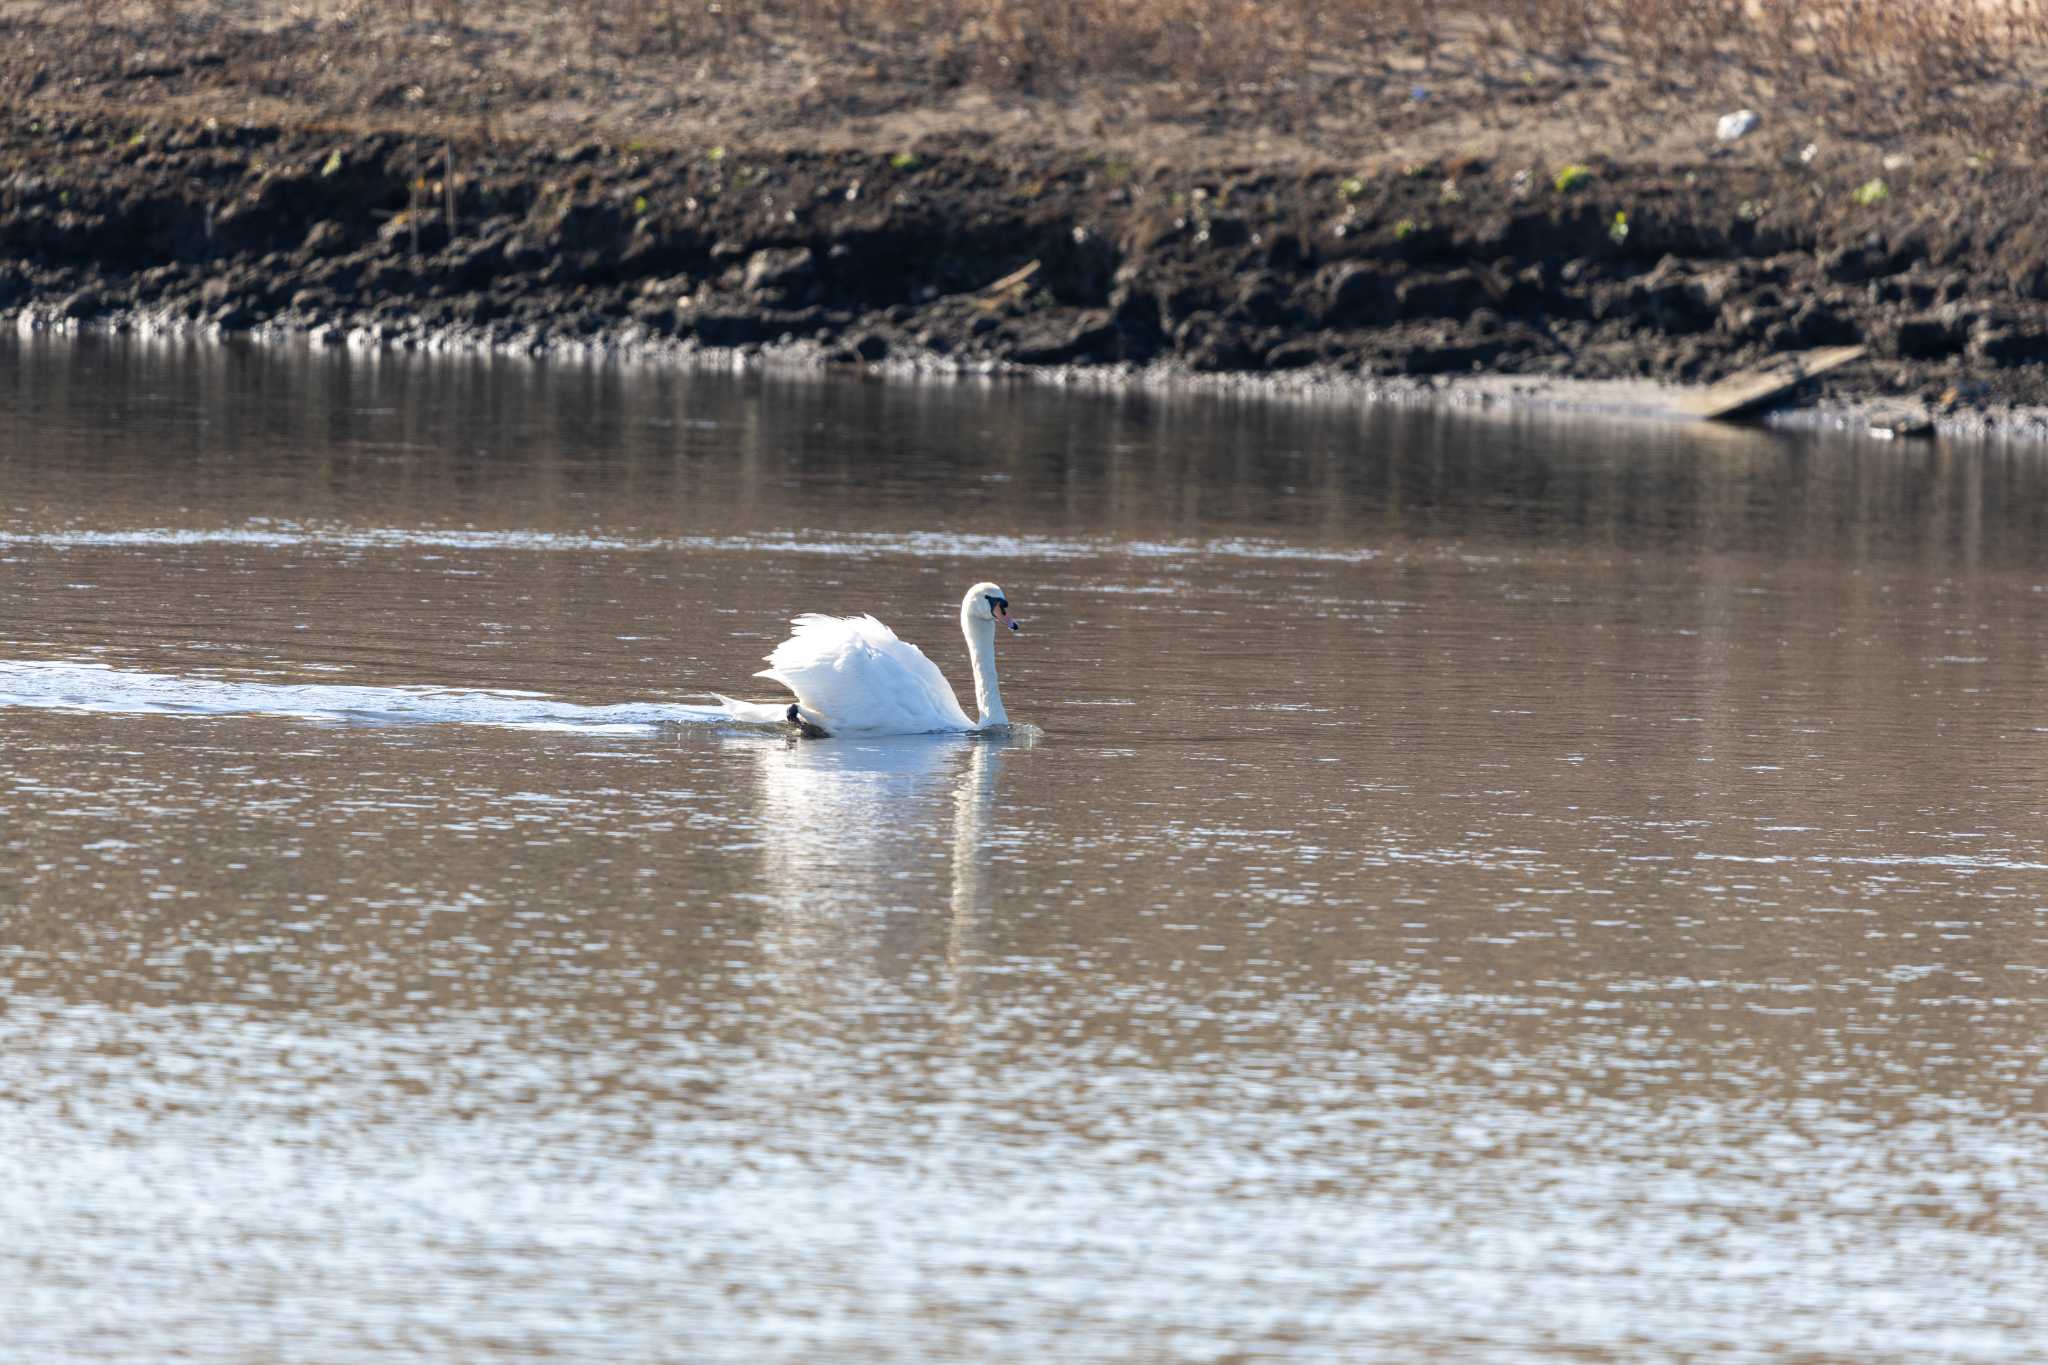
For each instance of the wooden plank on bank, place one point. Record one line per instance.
(990, 297)
(1011, 280)
(1751, 389)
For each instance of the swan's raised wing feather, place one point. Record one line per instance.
(859, 677)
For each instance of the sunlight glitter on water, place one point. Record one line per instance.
(272, 535)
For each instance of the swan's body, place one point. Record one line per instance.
(853, 676)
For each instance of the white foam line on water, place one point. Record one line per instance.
(1964, 861)
(858, 544)
(59, 685)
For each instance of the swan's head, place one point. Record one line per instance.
(986, 602)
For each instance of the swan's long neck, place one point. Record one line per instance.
(981, 649)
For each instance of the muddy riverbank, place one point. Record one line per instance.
(943, 245)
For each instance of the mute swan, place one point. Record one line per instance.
(852, 676)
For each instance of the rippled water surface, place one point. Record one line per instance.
(1472, 887)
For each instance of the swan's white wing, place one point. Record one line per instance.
(860, 679)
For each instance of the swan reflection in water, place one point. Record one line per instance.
(863, 840)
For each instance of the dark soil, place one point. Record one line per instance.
(123, 204)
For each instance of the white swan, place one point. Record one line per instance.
(853, 676)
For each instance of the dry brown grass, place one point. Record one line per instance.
(1962, 67)
(1873, 61)
(1799, 42)
(1895, 48)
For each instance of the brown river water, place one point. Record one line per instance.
(1463, 886)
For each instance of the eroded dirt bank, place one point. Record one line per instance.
(955, 248)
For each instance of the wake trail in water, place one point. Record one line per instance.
(58, 685)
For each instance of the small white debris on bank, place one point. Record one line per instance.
(1740, 124)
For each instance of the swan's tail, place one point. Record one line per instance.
(753, 712)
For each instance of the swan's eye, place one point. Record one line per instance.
(999, 603)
